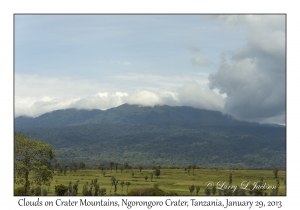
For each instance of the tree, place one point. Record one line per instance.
(75, 188)
(73, 166)
(102, 166)
(32, 157)
(85, 190)
(114, 182)
(251, 191)
(146, 178)
(58, 167)
(96, 187)
(214, 190)
(102, 191)
(81, 166)
(72, 189)
(236, 192)
(141, 168)
(230, 179)
(157, 172)
(65, 169)
(60, 190)
(197, 189)
(194, 167)
(275, 171)
(116, 165)
(122, 185)
(207, 191)
(111, 165)
(127, 184)
(192, 188)
(126, 166)
(189, 169)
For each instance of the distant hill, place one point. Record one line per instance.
(159, 135)
(56, 118)
(157, 115)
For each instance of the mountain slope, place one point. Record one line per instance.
(160, 135)
(56, 118)
(157, 115)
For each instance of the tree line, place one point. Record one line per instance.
(35, 165)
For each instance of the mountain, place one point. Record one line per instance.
(56, 118)
(157, 115)
(161, 135)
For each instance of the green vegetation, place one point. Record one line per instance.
(36, 175)
(164, 145)
(160, 135)
(170, 182)
(32, 164)
(211, 146)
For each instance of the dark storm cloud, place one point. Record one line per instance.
(254, 77)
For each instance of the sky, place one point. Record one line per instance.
(235, 64)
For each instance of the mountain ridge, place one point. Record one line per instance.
(158, 115)
(160, 135)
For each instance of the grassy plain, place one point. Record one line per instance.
(170, 180)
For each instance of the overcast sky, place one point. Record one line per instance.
(231, 63)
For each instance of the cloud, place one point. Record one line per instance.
(189, 95)
(158, 81)
(194, 49)
(200, 61)
(40, 86)
(144, 98)
(34, 106)
(192, 95)
(253, 78)
(101, 101)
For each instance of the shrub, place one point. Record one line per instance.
(19, 191)
(172, 194)
(44, 192)
(60, 190)
(148, 192)
(36, 191)
(102, 191)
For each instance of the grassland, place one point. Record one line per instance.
(170, 180)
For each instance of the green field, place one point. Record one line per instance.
(170, 180)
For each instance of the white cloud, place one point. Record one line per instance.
(165, 82)
(252, 80)
(190, 95)
(40, 86)
(200, 61)
(34, 106)
(144, 98)
(101, 101)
